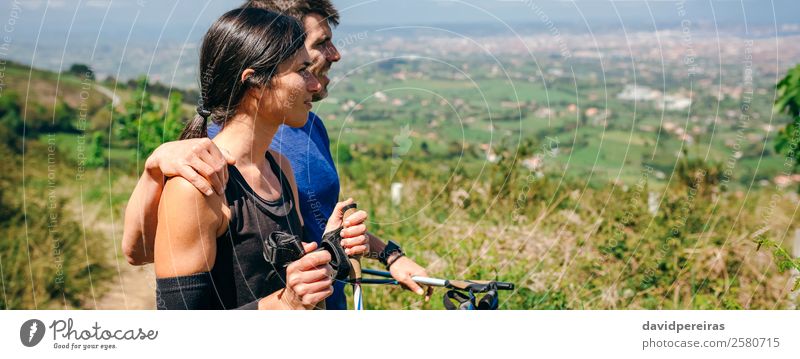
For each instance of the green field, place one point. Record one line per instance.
(576, 232)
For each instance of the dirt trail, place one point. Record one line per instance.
(132, 288)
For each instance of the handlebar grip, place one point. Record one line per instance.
(505, 286)
(355, 263)
(348, 210)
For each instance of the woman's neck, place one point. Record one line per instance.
(246, 139)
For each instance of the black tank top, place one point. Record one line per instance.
(240, 270)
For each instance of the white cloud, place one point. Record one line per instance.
(56, 4)
(98, 3)
(39, 4)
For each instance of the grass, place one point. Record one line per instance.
(572, 248)
(54, 259)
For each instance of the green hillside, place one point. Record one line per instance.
(580, 214)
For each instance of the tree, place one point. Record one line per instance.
(10, 112)
(94, 156)
(145, 121)
(81, 70)
(787, 143)
(342, 153)
(63, 116)
(788, 102)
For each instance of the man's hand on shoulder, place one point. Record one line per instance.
(198, 160)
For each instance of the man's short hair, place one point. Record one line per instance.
(298, 9)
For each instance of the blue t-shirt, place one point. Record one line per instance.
(308, 151)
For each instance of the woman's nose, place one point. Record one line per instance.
(312, 84)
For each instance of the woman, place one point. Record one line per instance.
(209, 249)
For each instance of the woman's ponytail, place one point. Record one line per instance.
(198, 126)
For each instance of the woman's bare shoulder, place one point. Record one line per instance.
(188, 224)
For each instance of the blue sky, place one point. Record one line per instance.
(178, 15)
(435, 11)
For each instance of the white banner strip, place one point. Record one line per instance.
(400, 334)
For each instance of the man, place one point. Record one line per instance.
(307, 148)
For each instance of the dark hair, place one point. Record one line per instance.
(240, 39)
(298, 9)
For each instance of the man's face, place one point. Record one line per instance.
(321, 49)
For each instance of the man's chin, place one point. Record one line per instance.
(319, 96)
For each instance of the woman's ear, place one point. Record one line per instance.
(246, 74)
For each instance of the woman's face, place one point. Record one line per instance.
(292, 90)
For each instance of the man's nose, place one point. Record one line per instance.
(332, 53)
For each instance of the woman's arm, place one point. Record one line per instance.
(186, 246)
(197, 160)
(188, 225)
